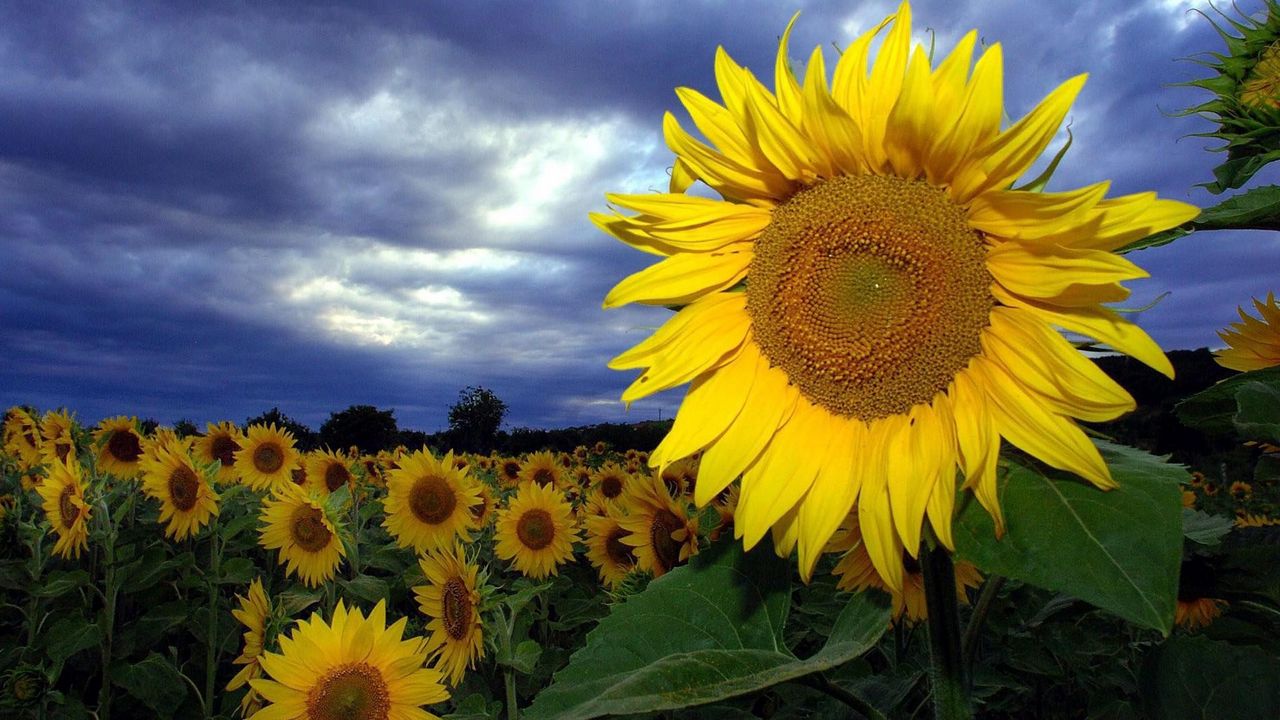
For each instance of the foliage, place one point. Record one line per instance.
(475, 418)
(362, 426)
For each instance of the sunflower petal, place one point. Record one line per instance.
(978, 120)
(711, 405)
(768, 407)
(875, 519)
(910, 124)
(1025, 215)
(834, 489)
(1058, 274)
(979, 444)
(783, 472)
(700, 312)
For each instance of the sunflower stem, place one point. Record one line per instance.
(946, 662)
(510, 680)
(210, 657)
(108, 611)
(969, 644)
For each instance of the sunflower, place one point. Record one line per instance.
(294, 522)
(451, 600)
(66, 507)
(610, 482)
(680, 476)
(726, 504)
(869, 304)
(22, 437)
(119, 446)
(612, 557)
(1196, 587)
(1188, 499)
(1253, 520)
(266, 457)
(482, 511)
(428, 502)
(298, 474)
(253, 613)
(327, 471)
(508, 471)
(536, 530)
(356, 667)
(855, 572)
(541, 468)
(219, 444)
(57, 437)
(660, 528)
(1253, 343)
(187, 500)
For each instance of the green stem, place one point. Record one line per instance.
(510, 680)
(969, 644)
(822, 684)
(108, 618)
(946, 672)
(211, 639)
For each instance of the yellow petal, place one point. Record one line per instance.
(834, 489)
(910, 125)
(731, 179)
(979, 444)
(682, 177)
(1119, 221)
(849, 84)
(711, 405)
(785, 86)
(950, 78)
(718, 125)
(1024, 215)
(783, 472)
(1045, 273)
(885, 84)
(875, 520)
(703, 348)
(710, 310)
(981, 110)
(683, 278)
(778, 138)
(828, 124)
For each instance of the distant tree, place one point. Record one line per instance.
(149, 425)
(303, 436)
(364, 426)
(412, 439)
(185, 428)
(475, 418)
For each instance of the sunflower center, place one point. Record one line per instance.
(309, 531)
(870, 292)
(62, 448)
(455, 604)
(619, 552)
(223, 449)
(124, 446)
(67, 509)
(543, 476)
(432, 500)
(335, 476)
(268, 458)
(511, 469)
(184, 488)
(611, 486)
(666, 549)
(536, 529)
(355, 691)
(299, 475)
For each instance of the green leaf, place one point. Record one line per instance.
(525, 657)
(61, 582)
(699, 634)
(1214, 409)
(1194, 677)
(367, 588)
(154, 681)
(237, 571)
(1119, 550)
(471, 707)
(1204, 528)
(1258, 411)
(69, 636)
(295, 600)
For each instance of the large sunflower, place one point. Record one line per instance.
(869, 304)
(536, 530)
(252, 613)
(119, 447)
(429, 502)
(187, 501)
(1253, 343)
(66, 507)
(451, 599)
(294, 522)
(356, 667)
(219, 444)
(266, 458)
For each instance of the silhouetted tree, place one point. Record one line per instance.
(304, 437)
(364, 426)
(185, 428)
(474, 419)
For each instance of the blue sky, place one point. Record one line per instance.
(207, 210)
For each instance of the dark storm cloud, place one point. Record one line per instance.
(210, 209)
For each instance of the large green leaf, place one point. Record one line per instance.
(1119, 550)
(1194, 677)
(1258, 410)
(1257, 209)
(1215, 408)
(701, 633)
(154, 681)
(68, 636)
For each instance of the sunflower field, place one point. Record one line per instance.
(899, 484)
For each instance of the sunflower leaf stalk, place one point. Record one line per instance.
(211, 657)
(948, 685)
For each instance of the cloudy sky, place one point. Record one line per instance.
(210, 209)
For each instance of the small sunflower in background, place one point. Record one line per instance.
(1197, 607)
(482, 512)
(355, 668)
(451, 599)
(298, 475)
(63, 495)
(869, 303)
(536, 530)
(508, 472)
(855, 572)
(428, 502)
(659, 527)
(166, 437)
(608, 485)
(1253, 343)
(22, 437)
(294, 522)
(187, 500)
(120, 446)
(219, 444)
(57, 436)
(266, 458)
(327, 471)
(541, 468)
(254, 610)
(612, 557)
